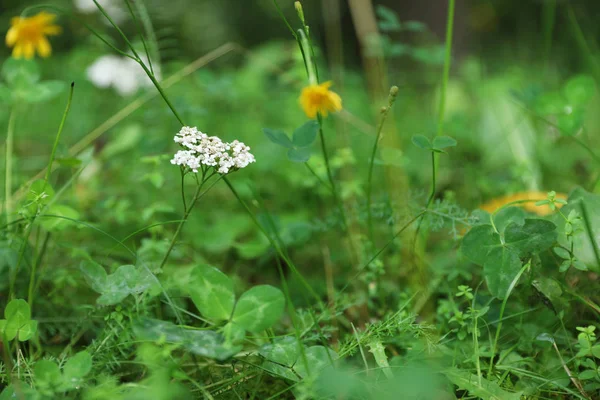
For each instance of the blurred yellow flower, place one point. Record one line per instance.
(28, 35)
(530, 206)
(319, 99)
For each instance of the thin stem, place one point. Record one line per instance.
(183, 190)
(282, 15)
(13, 276)
(386, 110)
(8, 170)
(139, 29)
(321, 181)
(186, 215)
(447, 61)
(273, 243)
(34, 267)
(500, 317)
(584, 46)
(142, 64)
(433, 181)
(57, 138)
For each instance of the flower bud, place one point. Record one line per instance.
(394, 91)
(300, 11)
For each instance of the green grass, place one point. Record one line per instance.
(373, 271)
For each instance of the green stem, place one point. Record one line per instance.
(186, 215)
(139, 29)
(8, 170)
(386, 110)
(274, 244)
(57, 138)
(433, 181)
(36, 263)
(583, 45)
(502, 308)
(13, 276)
(141, 62)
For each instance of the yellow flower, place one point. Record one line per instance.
(319, 99)
(28, 35)
(530, 206)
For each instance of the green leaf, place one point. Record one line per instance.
(596, 351)
(414, 26)
(299, 155)
(505, 216)
(94, 275)
(442, 142)
(549, 290)
(388, 21)
(54, 224)
(562, 253)
(422, 142)
(305, 135)
(259, 308)
(501, 266)
(278, 137)
(20, 71)
(580, 89)
(478, 242)
(18, 323)
(204, 343)
(317, 359)
(486, 391)
(582, 246)
(47, 373)
(588, 374)
(17, 309)
(233, 333)
(534, 236)
(27, 331)
(76, 368)
(40, 92)
(212, 292)
(281, 356)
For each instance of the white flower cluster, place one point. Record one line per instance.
(202, 149)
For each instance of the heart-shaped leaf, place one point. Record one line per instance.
(259, 308)
(212, 292)
(278, 137)
(305, 135)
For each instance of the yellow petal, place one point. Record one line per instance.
(52, 30)
(15, 21)
(43, 47)
(11, 37)
(28, 50)
(18, 51)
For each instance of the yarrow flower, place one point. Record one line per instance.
(210, 151)
(319, 99)
(28, 35)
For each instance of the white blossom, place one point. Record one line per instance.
(125, 75)
(211, 151)
(111, 7)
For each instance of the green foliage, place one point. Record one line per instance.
(17, 322)
(302, 139)
(126, 280)
(501, 256)
(468, 278)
